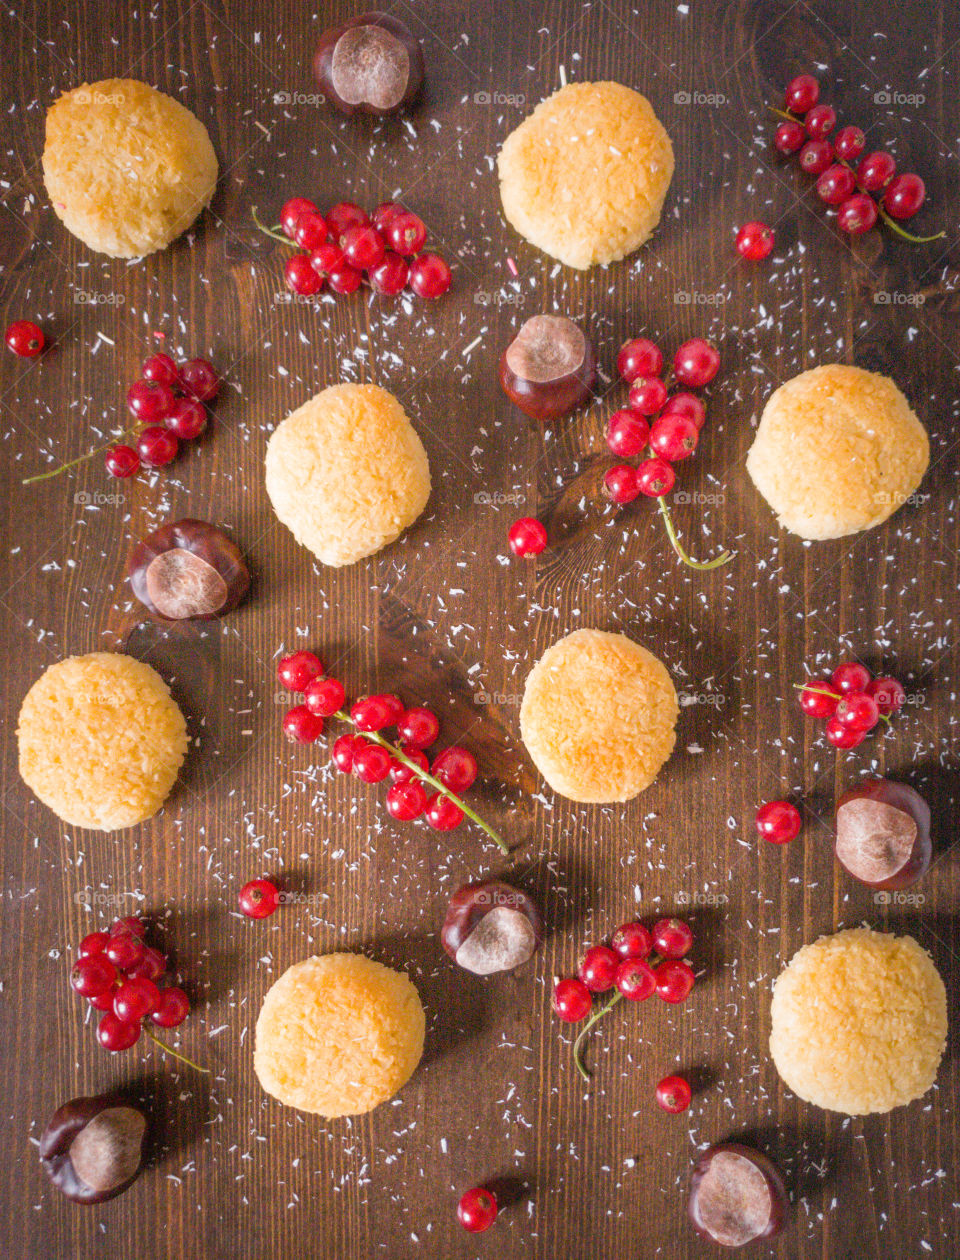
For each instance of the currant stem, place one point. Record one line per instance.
(782, 113)
(271, 232)
(55, 472)
(176, 1053)
(701, 565)
(427, 777)
(578, 1044)
(907, 236)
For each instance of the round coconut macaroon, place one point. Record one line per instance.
(101, 740)
(598, 716)
(584, 177)
(338, 1035)
(859, 1022)
(127, 168)
(838, 450)
(347, 473)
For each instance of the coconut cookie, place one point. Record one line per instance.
(338, 1035)
(101, 740)
(598, 716)
(127, 168)
(346, 473)
(838, 450)
(585, 176)
(859, 1022)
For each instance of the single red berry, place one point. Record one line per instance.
(418, 727)
(363, 246)
(90, 976)
(639, 357)
(259, 898)
(632, 940)
(114, 1034)
(150, 401)
(876, 171)
(324, 696)
(904, 196)
(672, 938)
(527, 537)
(655, 478)
(344, 751)
(161, 368)
(311, 230)
(674, 437)
(814, 703)
(843, 736)
(25, 338)
(674, 1094)
(802, 94)
(620, 483)
(157, 446)
(754, 241)
(372, 713)
(93, 943)
(816, 156)
(131, 923)
(401, 773)
(789, 137)
(820, 121)
(151, 966)
(103, 1001)
(430, 277)
(779, 822)
(406, 801)
(696, 363)
(384, 213)
(371, 763)
(635, 979)
(673, 979)
(134, 1000)
(298, 669)
(443, 814)
(456, 769)
(477, 1210)
(345, 278)
(121, 461)
(849, 143)
(343, 216)
(389, 275)
(888, 694)
(187, 420)
(647, 395)
(301, 726)
(326, 258)
(300, 276)
(394, 705)
(627, 433)
(124, 950)
(689, 405)
(858, 711)
(836, 184)
(598, 968)
(291, 211)
(172, 1008)
(850, 677)
(407, 233)
(571, 1000)
(857, 215)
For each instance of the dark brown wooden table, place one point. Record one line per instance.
(445, 618)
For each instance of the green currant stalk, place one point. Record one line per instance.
(55, 472)
(598, 1014)
(822, 691)
(176, 1053)
(427, 777)
(275, 233)
(675, 543)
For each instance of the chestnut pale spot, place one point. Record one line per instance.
(503, 939)
(874, 839)
(733, 1200)
(180, 584)
(106, 1152)
(370, 66)
(547, 348)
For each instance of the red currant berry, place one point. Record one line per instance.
(849, 143)
(150, 401)
(162, 369)
(311, 231)
(696, 363)
(655, 478)
(802, 94)
(301, 726)
(363, 246)
(620, 483)
(418, 727)
(102, 1001)
(25, 338)
(129, 923)
(674, 437)
(173, 1007)
(92, 975)
(300, 277)
(674, 1094)
(298, 669)
(639, 357)
(326, 258)
(857, 215)
(151, 966)
(850, 677)
(324, 696)
(820, 121)
(291, 211)
(673, 979)
(371, 714)
(632, 940)
(672, 938)
(187, 420)
(815, 703)
(401, 773)
(134, 1000)
(406, 801)
(259, 898)
(384, 213)
(843, 736)
(456, 769)
(157, 446)
(93, 943)
(816, 156)
(779, 822)
(371, 763)
(876, 171)
(627, 433)
(789, 137)
(635, 979)
(754, 241)
(343, 216)
(442, 813)
(888, 695)
(430, 277)
(689, 405)
(390, 274)
(527, 537)
(598, 968)
(858, 711)
(344, 751)
(904, 196)
(394, 705)
(477, 1210)
(407, 233)
(113, 1034)
(121, 461)
(124, 950)
(836, 184)
(344, 278)
(571, 1000)
(647, 395)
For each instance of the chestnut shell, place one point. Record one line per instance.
(63, 1127)
(899, 796)
(779, 1200)
(325, 74)
(549, 400)
(471, 903)
(202, 540)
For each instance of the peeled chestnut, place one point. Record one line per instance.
(883, 834)
(188, 571)
(491, 927)
(373, 63)
(92, 1148)
(549, 368)
(736, 1195)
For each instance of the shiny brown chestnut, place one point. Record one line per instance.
(883, 834)
(736, 1195)
(373, 63)
(491, 926)
(188, 571)
(549, 368)
(92, 1148)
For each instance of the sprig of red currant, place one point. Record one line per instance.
(371, 757)
(117, 972)
(630, 966)
(852, 702)
(346, 246)
(863, 194)
(673, 435)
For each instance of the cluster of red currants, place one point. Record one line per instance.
(852, 702)
(118, 973)
(864, 193)
(637, 963)
(344, 246)
(25, 338)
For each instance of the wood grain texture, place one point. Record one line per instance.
(443, 617)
